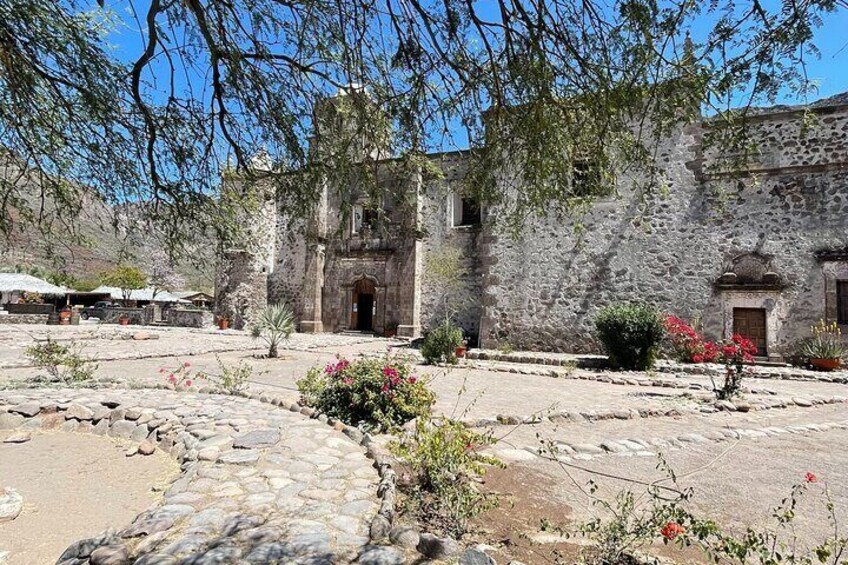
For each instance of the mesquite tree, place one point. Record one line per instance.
(151, 124)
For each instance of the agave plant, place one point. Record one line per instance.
(825, 343)
(275, 324)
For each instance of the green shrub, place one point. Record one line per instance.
(444, 460)
(61, 363)
(631, 335)
(441, 343)
(379, 394)
(233, 378)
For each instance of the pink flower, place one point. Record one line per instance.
(188, 382)
(412, 380)
(162, 369)
(172, 379)
(186, 364)
(810, 478)
(390, 372)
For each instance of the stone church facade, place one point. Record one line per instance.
(761, 250)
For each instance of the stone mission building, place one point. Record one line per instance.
(761, 251)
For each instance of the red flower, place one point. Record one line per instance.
(698, 358)
(672, 530)
(390, 372)
(810, 478)
(188, 382)
(412, 380)
(186, 364)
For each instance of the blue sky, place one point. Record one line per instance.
(830, 71)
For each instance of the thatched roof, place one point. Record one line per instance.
(20, 282)
(144, 294)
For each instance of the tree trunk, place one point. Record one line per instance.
(272, 350)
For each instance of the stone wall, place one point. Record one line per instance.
(137, 316)
(24, 319)
(186, 318)
(464, 301)
(246, 261)
(546, 286)
(285, 283)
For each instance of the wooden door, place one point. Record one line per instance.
(751, 323)
(842, 302)
(365, 307)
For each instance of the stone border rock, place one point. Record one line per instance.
(595, 362)
(640, 447)
(564, 416)
(220, 470)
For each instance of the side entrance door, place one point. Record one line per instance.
(751, 323)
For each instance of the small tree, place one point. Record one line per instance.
(127, 278)
(275, 325)
(443, 270)
(163, 276)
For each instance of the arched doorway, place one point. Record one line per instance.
(362, 316)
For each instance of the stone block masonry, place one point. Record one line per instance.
(763, 226)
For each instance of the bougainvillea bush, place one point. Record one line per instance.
(686, 344)
(735, 353)
(379, 394)
(446, 464)
(628, 528)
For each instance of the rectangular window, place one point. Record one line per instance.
(363, 217)
(466, 211)
(842, 302)
(585, 179)
(356, 219)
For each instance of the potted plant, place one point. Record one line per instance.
(223, 323)
(825, 348)
(461, 349)
(124, 320)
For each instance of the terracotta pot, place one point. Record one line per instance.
(825, 364)
(460, 351)
(124, 321)
(223, 324)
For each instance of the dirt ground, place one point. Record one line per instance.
(74, 486)
(737, 485)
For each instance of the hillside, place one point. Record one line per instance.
(89, 242)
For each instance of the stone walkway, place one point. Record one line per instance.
(260, 484)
